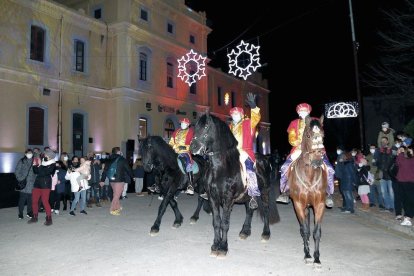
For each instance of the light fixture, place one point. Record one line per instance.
(148, 106)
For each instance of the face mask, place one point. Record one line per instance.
(353, 153)
(236, 117)
(184, 126)
(29, 155)
(397, 145)
(384, 129)
(303, 114)
(360, 165)
(339, 152)
(372, 151)
(65, 158)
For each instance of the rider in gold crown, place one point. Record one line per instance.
(295, 133)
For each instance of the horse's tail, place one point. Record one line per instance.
(273, 211)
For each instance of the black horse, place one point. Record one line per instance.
(224, 184)
(159, 157)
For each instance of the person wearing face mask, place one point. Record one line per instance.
(24, 168)
(363, 184)
(405, 140)
(388, 132)
(375, 196)
(295, 133)
(244, 130)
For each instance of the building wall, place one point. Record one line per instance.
(108, 94)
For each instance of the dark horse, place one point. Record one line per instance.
(159, 157)
(307, 180)
(224, 184)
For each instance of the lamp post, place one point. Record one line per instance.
(355, 45)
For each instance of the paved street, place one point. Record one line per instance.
(101, 244)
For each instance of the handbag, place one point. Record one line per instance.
(22, 183)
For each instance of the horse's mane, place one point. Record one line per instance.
(164, 151)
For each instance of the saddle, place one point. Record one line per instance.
(196, 168)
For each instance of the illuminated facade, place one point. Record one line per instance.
(86, 75)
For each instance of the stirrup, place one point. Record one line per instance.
(253, 203)
(190, 190)
(204, 196)
(283, 198)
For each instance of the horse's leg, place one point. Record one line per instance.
(302, 214)
(317, 232)
(225, 225)
(266, 228)
(247, 225)
(215, 209)
(196, 214)
(178, 216)
(161, 210)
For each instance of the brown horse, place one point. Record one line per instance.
(307, 180)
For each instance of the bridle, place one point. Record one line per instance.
(203, 148)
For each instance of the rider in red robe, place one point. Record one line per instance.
(295, 133)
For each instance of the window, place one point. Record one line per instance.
(233, 99)
(144, 14)
(36, 126)
(170, 28)
(79, 56)
(168, 128)
(219, 96)
(192, 39)
(97, 13)
(170, 75)
(193, 88)
(37, 43)
(143, 63)
(142, 128)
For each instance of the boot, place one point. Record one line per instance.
(283, 198)
(33, 219)
(329, 202)
(204, 196)
(48, 221)
(190, 188)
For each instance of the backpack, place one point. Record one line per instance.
(112, 170)
(370, 178)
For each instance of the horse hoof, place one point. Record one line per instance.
(193, 221)
(154, 233)
(221, 254)
(213, 253)
(308, 261)
(317, 266)
(265, 238)
(176, 225)
(243, 236)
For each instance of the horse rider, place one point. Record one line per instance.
(244, 130)
(295, 133)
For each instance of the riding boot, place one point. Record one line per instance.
(33, 219)
(329, 202)
(190, 188)
(204, 196)
(283, 198)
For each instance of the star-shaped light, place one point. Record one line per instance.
(185, 63)
(249, 50)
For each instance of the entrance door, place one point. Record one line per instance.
(78, 122)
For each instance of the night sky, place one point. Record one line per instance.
(307, 49)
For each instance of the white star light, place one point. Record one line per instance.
(248, 50)
(184, 65)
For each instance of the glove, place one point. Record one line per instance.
(250, 100)
(181, 147)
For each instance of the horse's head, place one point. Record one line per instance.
(146, 151)
(211, 136)
(312, 141)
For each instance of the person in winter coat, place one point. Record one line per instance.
(139, 173)
(117, 183)
(42, 186)
(363, 184)
(24, 168)
(346, 173)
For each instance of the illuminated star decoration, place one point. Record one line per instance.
(341, 110)
(245, 60)
(191, 67)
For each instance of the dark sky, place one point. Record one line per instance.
(307, 46)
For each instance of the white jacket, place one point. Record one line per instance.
(72, 176)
